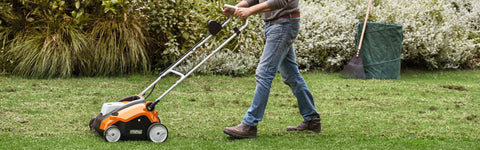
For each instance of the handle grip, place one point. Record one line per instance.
(230, 6)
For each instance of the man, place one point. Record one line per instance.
(282, 23)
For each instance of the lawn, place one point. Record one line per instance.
(422, 110)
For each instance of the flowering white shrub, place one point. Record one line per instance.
(441, 33)
(438, 34)
(326, 35)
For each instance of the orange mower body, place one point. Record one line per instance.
(129, 119)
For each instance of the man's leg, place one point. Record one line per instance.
(292, 77)
(276, 48)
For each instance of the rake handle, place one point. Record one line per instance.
(363, 30)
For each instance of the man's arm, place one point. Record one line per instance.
(229, 12)
(244, 11)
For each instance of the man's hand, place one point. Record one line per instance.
(228, 11)
(243, 13)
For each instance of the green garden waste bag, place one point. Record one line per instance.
(381, 50)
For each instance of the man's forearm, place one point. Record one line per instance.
(244, 10)
(259, 8)
(243, 3)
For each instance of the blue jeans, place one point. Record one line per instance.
(279, 55)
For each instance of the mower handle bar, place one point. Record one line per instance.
(170, 69)
(230, 6)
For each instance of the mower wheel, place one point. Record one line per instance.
(157, 132)
(112, 134)
(91, 124)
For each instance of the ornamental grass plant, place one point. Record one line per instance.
(118, 47)
(50, 49)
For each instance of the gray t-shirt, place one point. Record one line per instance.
(278, 7)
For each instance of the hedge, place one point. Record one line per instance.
(438, 34)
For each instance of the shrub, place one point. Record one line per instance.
(176, 26)
(326, 37)
(10, 24)
(172, 27)
(438, 34)
(48, 38)
(119, 47)
(47, 53)
(239, 57)
(327, 29)
(44, 43)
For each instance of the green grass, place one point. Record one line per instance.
(422, 110)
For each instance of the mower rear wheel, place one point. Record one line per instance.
(112, 134)
(157, 132)
(91, 124)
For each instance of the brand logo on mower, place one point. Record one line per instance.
(135, 131)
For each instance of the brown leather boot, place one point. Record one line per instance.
(241, 131)
(313, 125)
